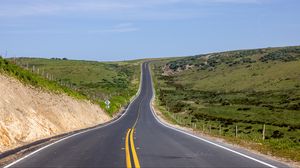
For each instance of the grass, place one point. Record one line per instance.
(245, 89)
(98, 81)
(259, 77)
(25, 76)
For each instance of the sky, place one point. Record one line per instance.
(111, 30)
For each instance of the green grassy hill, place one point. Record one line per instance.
(9, 68)
(116, 81)
(245, 88)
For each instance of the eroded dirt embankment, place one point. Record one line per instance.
(28, 114)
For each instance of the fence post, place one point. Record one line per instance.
(236, 130)
(263, 132)
(209, 128)
(203, 127)
(220, 131)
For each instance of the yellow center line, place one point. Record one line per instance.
(128, 161)
(130, 139)
(135, 157)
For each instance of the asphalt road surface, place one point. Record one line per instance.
(139, 139)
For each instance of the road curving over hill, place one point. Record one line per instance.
(139, 139)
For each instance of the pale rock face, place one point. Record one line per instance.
(28, 114)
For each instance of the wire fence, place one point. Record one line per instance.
(239, 130)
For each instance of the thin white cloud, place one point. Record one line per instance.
(50, 8)
(239, 1)
(17, 8)
(120, 28)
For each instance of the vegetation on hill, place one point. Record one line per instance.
(236, 95)
(99, 81)
(35, 80)
(233, 58)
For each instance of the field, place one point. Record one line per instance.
(98, 81)
(246, 96)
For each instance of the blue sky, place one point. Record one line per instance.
(128, 29)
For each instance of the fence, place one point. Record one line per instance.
(241, 130)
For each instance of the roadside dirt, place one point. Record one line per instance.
(28, 114)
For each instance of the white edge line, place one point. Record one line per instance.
(40, 149)
(194, 136)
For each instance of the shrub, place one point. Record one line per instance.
(281, 56)
(226, 103)
(244, 109)
(277, 134)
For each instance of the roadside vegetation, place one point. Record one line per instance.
(98, 81)
(9, 68)
(249, 96)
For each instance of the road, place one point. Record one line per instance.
(139, 139)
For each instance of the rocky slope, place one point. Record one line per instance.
(28, 114)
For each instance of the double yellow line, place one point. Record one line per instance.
(129, 141)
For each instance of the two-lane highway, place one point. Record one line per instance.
(139, 139)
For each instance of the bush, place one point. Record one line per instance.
(244, 109)
(294, 106)
(281, 56)
(226, 103)
(277, 134)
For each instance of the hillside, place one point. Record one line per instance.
(235, 95)
(98, 81)
(33, 108)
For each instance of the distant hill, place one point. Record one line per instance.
(239, 70)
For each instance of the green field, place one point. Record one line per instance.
(98, 81)
(245, 89)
